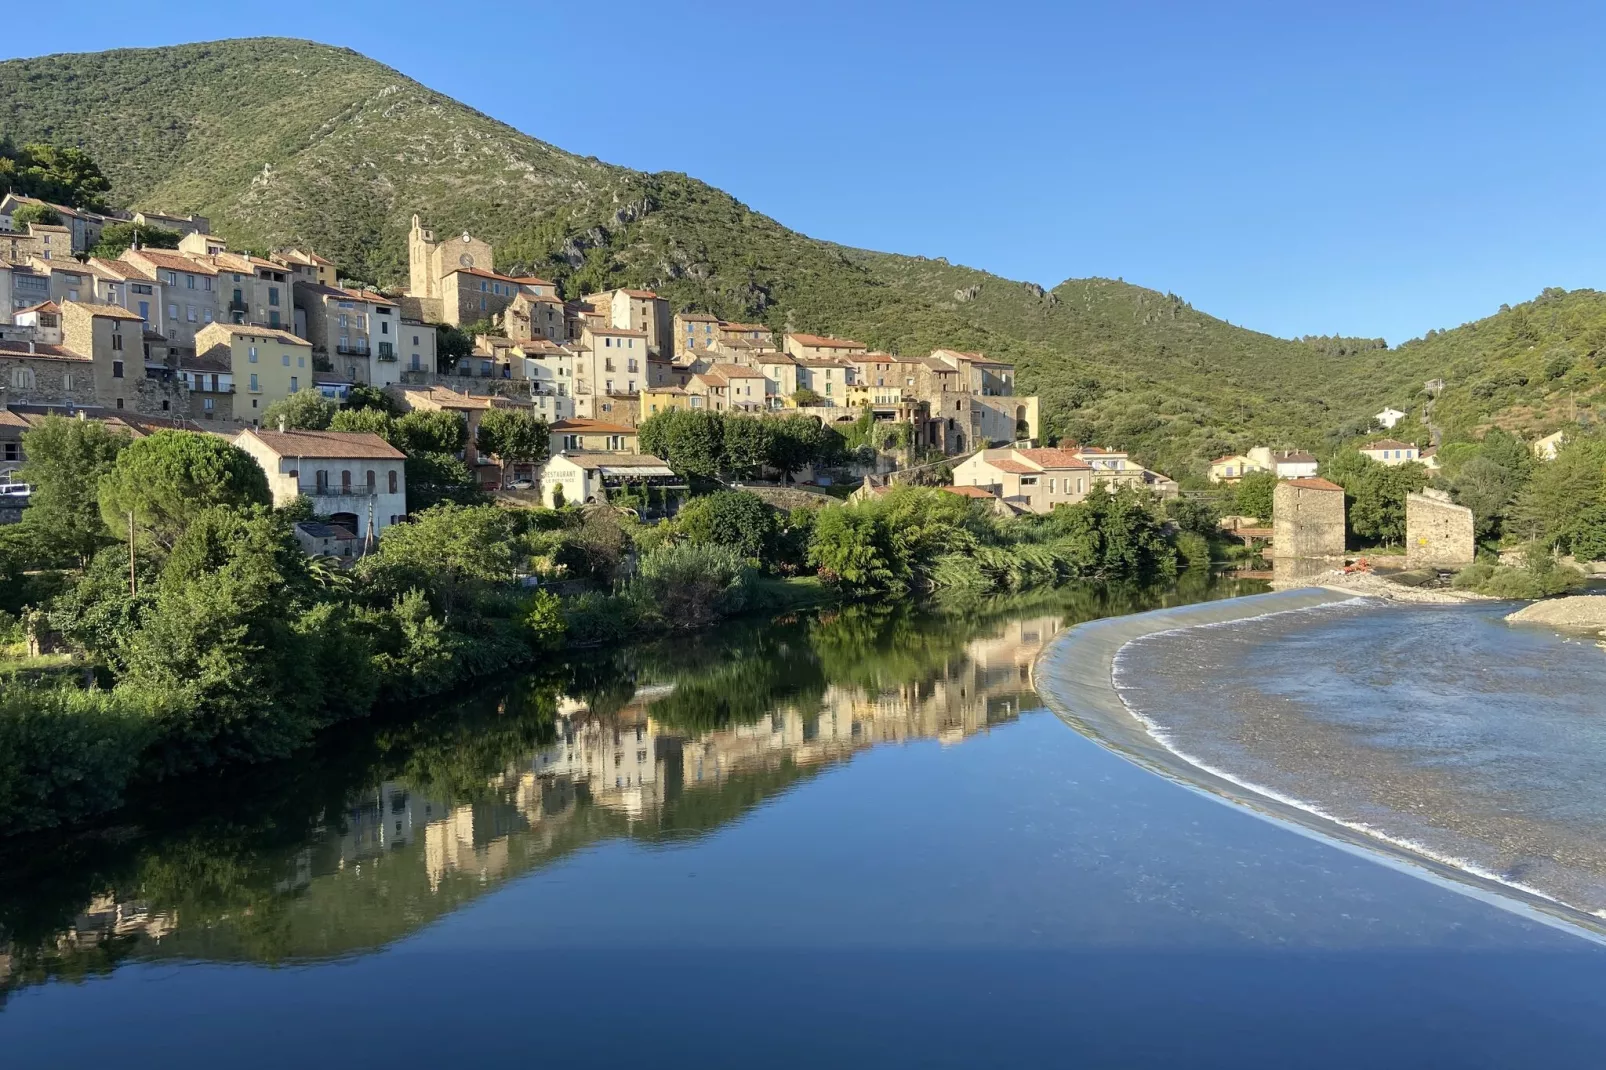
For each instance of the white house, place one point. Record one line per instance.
(1286, 464)
(1391, 451)
(1389, 417)
(1545, 449)
(356, 479)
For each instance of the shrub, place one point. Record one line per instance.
(687, 585)
(65, 753)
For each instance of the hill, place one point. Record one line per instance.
(282, 141)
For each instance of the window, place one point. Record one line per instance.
(384, 326)
(253, 354)
(1051, 486)
(206, 284)
(117, 342)
(22, 378)
(206, 314)
(391, 480)
(255, 388)
(273, 295)
(293, 381)
(189, 282)
(172, 312)
(571, 442)
(170, 278)
(345, 479)
(415, 339)
(117, 369)
(370, 481)
(609, 387)
(285, 359)
(206, 403)
(189, 313)
(119, 403)
(1028, 481)
(144, 310)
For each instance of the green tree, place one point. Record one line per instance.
(746, 445)
(362, 396)
(369, 421)
(1197, 515)
(797, 441)
(1564, 504)
(692, 442)
(451, 346)
(434, 478)
(512, 436)
(55, 173)
(42, 214)
(116, 237)
(1376, 499)
(1253, 494)
(447, 551)
(305, 410)
(850, 548)
(737, 519)
(166, 479)
(66, 459)
(438, 431)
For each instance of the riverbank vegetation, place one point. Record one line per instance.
(202, 634)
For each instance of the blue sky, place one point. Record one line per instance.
(1362, 168)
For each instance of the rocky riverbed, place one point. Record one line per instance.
(1575, 613)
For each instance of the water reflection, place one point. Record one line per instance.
(385, 827)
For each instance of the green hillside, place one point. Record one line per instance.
(282, 141)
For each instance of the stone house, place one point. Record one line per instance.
(356, 479)
(1438, 533)
(250, 289)
(828, 378)
(760, 337)
(732, 387)
(189, 290)
(1308, 519)
(358, 333)
(209, 379)
(306, 266)
(637, 310)
(610, 360)
(694, 330)
(118, 282)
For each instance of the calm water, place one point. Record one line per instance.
(1443, 727)
(851, 840)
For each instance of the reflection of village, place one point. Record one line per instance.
(628, 765)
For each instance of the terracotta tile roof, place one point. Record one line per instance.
(971, 492)
(40, 351)
(334, 445)
(532, 280)
(645, 295)
(697, 317)
(205, 364)
(1050, 458)
(618, 332)
(1389, 444)
(711, 379)
(168, 261)
(814, 341)
(1005, 464)
(1229, 457)
(736, 371)
(1295, 456)
(1314, 484)
(275, 333)
(110, 312)
(596, 459)
(117, 268)
(754, 327)
(47, 306)
(448, 398)
(583, 426)
(482, 273)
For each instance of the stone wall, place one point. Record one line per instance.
(1307, 520)
(1438, 533)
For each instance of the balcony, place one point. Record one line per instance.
(386, 353)
(337, 490)
(353, 351)
(239, 306)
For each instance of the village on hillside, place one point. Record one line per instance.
(208, 339)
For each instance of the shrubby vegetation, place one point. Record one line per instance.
(1540, 576)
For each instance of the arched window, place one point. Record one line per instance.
(22, 378)
(392, 474)
(345, 479)
(370, 481)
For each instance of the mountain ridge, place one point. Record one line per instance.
(264, 135)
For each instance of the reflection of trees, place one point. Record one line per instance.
(249, 861)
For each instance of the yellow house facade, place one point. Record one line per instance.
(267, 365)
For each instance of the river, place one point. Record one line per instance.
(852, 838)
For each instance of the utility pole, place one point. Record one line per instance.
(133, 580)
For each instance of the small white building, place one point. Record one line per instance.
(356, 479)
(1389, 417)
(584, 477)
(1285, 464)
(1545, 449)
